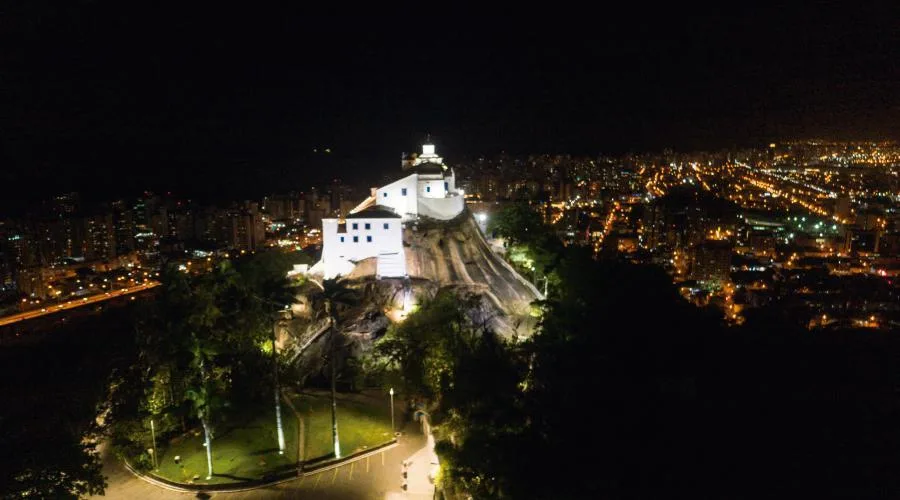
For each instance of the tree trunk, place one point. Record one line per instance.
(205, 423)
(278, 425)
(334, 425)
(204, 419)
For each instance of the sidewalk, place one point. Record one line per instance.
(421, 466)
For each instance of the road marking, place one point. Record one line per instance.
(318, 477)
(351, 470)
(335, 475)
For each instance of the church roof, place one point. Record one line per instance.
(374, 212)
(429, 168)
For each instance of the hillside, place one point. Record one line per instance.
(455, 254)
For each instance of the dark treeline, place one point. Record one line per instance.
(190, 356)
(628, 391)
(51, 391)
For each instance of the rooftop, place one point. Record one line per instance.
(375, 212)
(429, 168)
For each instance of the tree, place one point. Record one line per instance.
(518, 223)
(80, 474)
(533, 248)
(448, 356)
(266, 277)
(197, 340)
(201, 322)
(335, 294)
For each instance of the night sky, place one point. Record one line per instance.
(232, 103)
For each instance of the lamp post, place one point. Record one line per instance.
(392, 410)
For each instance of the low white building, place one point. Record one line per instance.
(374, 228)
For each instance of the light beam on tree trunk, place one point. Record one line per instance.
(334, 425)
(209, 467)
(277, 395)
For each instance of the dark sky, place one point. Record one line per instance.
(110, 97)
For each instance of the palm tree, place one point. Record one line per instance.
(335, 293)
(280, 294)
(277, 293)
(201, 398)
(202, 317)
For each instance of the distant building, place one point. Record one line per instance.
(712, 261)
(861, 240)
(685, 217)
(94, 237)
(123, 222)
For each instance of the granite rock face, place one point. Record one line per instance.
(439, 255)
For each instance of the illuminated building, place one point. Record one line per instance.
(430, 190)
(712, 261)
(375, 231)
(123, 221)
(374, 228)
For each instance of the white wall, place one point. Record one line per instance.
(405, 206)
(437, 188)
(441, 208)
(452, 181)
(336, 254)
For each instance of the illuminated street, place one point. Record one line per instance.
(72, 304)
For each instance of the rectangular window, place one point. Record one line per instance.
(369, 239)
(385, 195)
(356, 239)
(446, 186)
(427, 189)
(386, 225)
(355, 226)
(368, 226)
(403, 191)
(342, 239)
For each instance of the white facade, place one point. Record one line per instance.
(344, 243)
(419, 194)
(401, 196)
(374, 228)
(430, 190)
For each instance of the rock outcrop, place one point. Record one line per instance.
(439, 255)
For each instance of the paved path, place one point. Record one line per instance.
(376, 477)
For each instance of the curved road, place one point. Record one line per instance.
(72, 304)
(376, 477)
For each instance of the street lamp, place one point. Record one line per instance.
(392, 410)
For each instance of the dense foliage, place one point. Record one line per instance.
(204, 347)
(530, 244)
(52, 387)
(628, 391)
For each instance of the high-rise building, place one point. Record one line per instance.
(94, 237)
(123, 222)
(712, 261)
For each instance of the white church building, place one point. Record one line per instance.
(375, 227)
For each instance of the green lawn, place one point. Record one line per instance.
(364, 421)
(245, 448)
